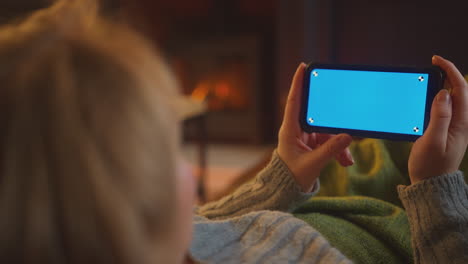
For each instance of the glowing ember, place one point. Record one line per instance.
(220, 93)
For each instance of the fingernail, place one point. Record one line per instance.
(301, 65)
(444, 96)
(434, 58)
(350, 156)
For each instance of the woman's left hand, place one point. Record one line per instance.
(306, 154)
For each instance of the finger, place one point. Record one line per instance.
(293, 104)
(312, 140)
(441, 115)
(322, 138)
(344, 158)
(459, 92)
(458, 84)
(453, 74)
(330, 149)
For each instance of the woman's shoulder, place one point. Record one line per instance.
(257, 237)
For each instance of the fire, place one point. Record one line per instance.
(200, 93)
(222, 90)
(220, 93)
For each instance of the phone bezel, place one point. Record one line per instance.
(436, 80)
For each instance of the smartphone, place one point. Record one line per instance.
(369, 101)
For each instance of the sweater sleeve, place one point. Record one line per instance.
(261, 237)
(274, 188)
(437, 209)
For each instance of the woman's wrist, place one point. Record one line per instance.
(417, 178)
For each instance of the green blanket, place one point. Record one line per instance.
(357, 208)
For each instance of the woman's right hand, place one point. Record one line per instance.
(442, 147)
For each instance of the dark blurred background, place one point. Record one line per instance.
(239, 56)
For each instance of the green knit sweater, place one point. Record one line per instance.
(252, 224)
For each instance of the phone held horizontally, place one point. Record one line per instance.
(369, 101)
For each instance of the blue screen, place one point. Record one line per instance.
(391, 102)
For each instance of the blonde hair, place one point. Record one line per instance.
(88, 141)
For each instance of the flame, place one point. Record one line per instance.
(201, 91)
(221, 91)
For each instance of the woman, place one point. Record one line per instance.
(436, 202)
(90, 167)
(89, 147)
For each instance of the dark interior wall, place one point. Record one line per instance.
(388, 32)
(304, 33)
(401, 32)
(371, 32)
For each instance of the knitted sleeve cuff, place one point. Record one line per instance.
(279, 168)
(437, 210)
(274, 188)
(452, 184)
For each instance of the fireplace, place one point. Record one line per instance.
(225, 74)
(223, 53)
(224, 84)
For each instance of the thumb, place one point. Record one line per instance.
(331, 148)
(441, 115)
